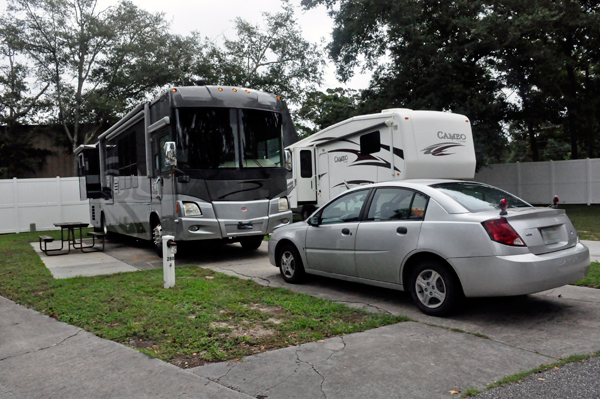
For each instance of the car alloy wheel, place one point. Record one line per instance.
(430, 288)
(290, 264)
(434, 288)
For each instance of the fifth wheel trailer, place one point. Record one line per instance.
(392, 145)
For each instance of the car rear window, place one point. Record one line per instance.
(479, 197)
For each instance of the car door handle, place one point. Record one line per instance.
(401, 230)
(346, 232)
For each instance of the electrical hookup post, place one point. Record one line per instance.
(169, 250)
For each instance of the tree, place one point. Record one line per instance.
(98, 61)
(17, 105)
(322, 109)
(273, 57)
(424, 55)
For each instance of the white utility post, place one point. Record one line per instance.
(169, 248)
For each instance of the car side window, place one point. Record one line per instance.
(344, 209)
(418, 207)
(396, 204)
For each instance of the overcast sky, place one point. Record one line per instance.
(215, 18)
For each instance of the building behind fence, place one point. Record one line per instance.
(42, 202)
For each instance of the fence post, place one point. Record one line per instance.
(552, 180)
(60, 204)
(519, 180)
(588, 167)
(16, 200)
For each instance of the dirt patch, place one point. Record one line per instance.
(267, 309)
(222, 324)
(257, 332)
(193, 361)
(138, 343)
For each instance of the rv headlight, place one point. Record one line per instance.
(283, 204)
(191, 209)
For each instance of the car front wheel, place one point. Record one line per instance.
(290, 264)
(434, 289)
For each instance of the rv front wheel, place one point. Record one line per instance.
(157, 238)
(251, 243)
(307, 210)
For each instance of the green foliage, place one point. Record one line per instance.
(324, 109)
(465, 56)
(273, 57)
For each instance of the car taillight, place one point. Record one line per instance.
(500, 231)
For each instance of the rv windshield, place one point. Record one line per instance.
(260, 135)
(209, 138)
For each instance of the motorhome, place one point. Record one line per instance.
(391, 145)
(198, 163)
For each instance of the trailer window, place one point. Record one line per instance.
(306, 163)
(370, 143)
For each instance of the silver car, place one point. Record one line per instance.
(439, 239)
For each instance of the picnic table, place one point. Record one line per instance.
(71, 240)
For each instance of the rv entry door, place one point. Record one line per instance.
(305, 175)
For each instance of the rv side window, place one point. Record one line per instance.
(370, 143)
(306, 163)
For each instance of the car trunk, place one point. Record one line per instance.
(543, 229)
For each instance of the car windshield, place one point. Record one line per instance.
(479, 197)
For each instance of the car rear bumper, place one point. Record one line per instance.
(521, 274)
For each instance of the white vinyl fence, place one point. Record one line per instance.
(41, 201)
(575, 182)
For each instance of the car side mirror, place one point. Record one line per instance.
(314, 221)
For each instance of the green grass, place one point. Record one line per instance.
(511, 379)
(585, 219)
(592, 279)
(206, 317)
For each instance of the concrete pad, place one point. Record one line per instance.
(55, 360)
(594, 247)
(77, 263)
(406, 360)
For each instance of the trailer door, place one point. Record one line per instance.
(305, 175)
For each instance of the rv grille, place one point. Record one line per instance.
(93, 213)
(116, 185)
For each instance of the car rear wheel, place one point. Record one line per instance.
(434, 289)
(290, 264)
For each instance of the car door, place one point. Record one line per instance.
(388, 233)
(330, 245)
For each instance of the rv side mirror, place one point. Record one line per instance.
(314, 221)
(288, 160)
(170, 154)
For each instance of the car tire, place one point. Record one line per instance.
(290, 264)
(434, 288)
(157, 238)
(251, 243)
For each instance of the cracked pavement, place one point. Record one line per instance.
(423, 358)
